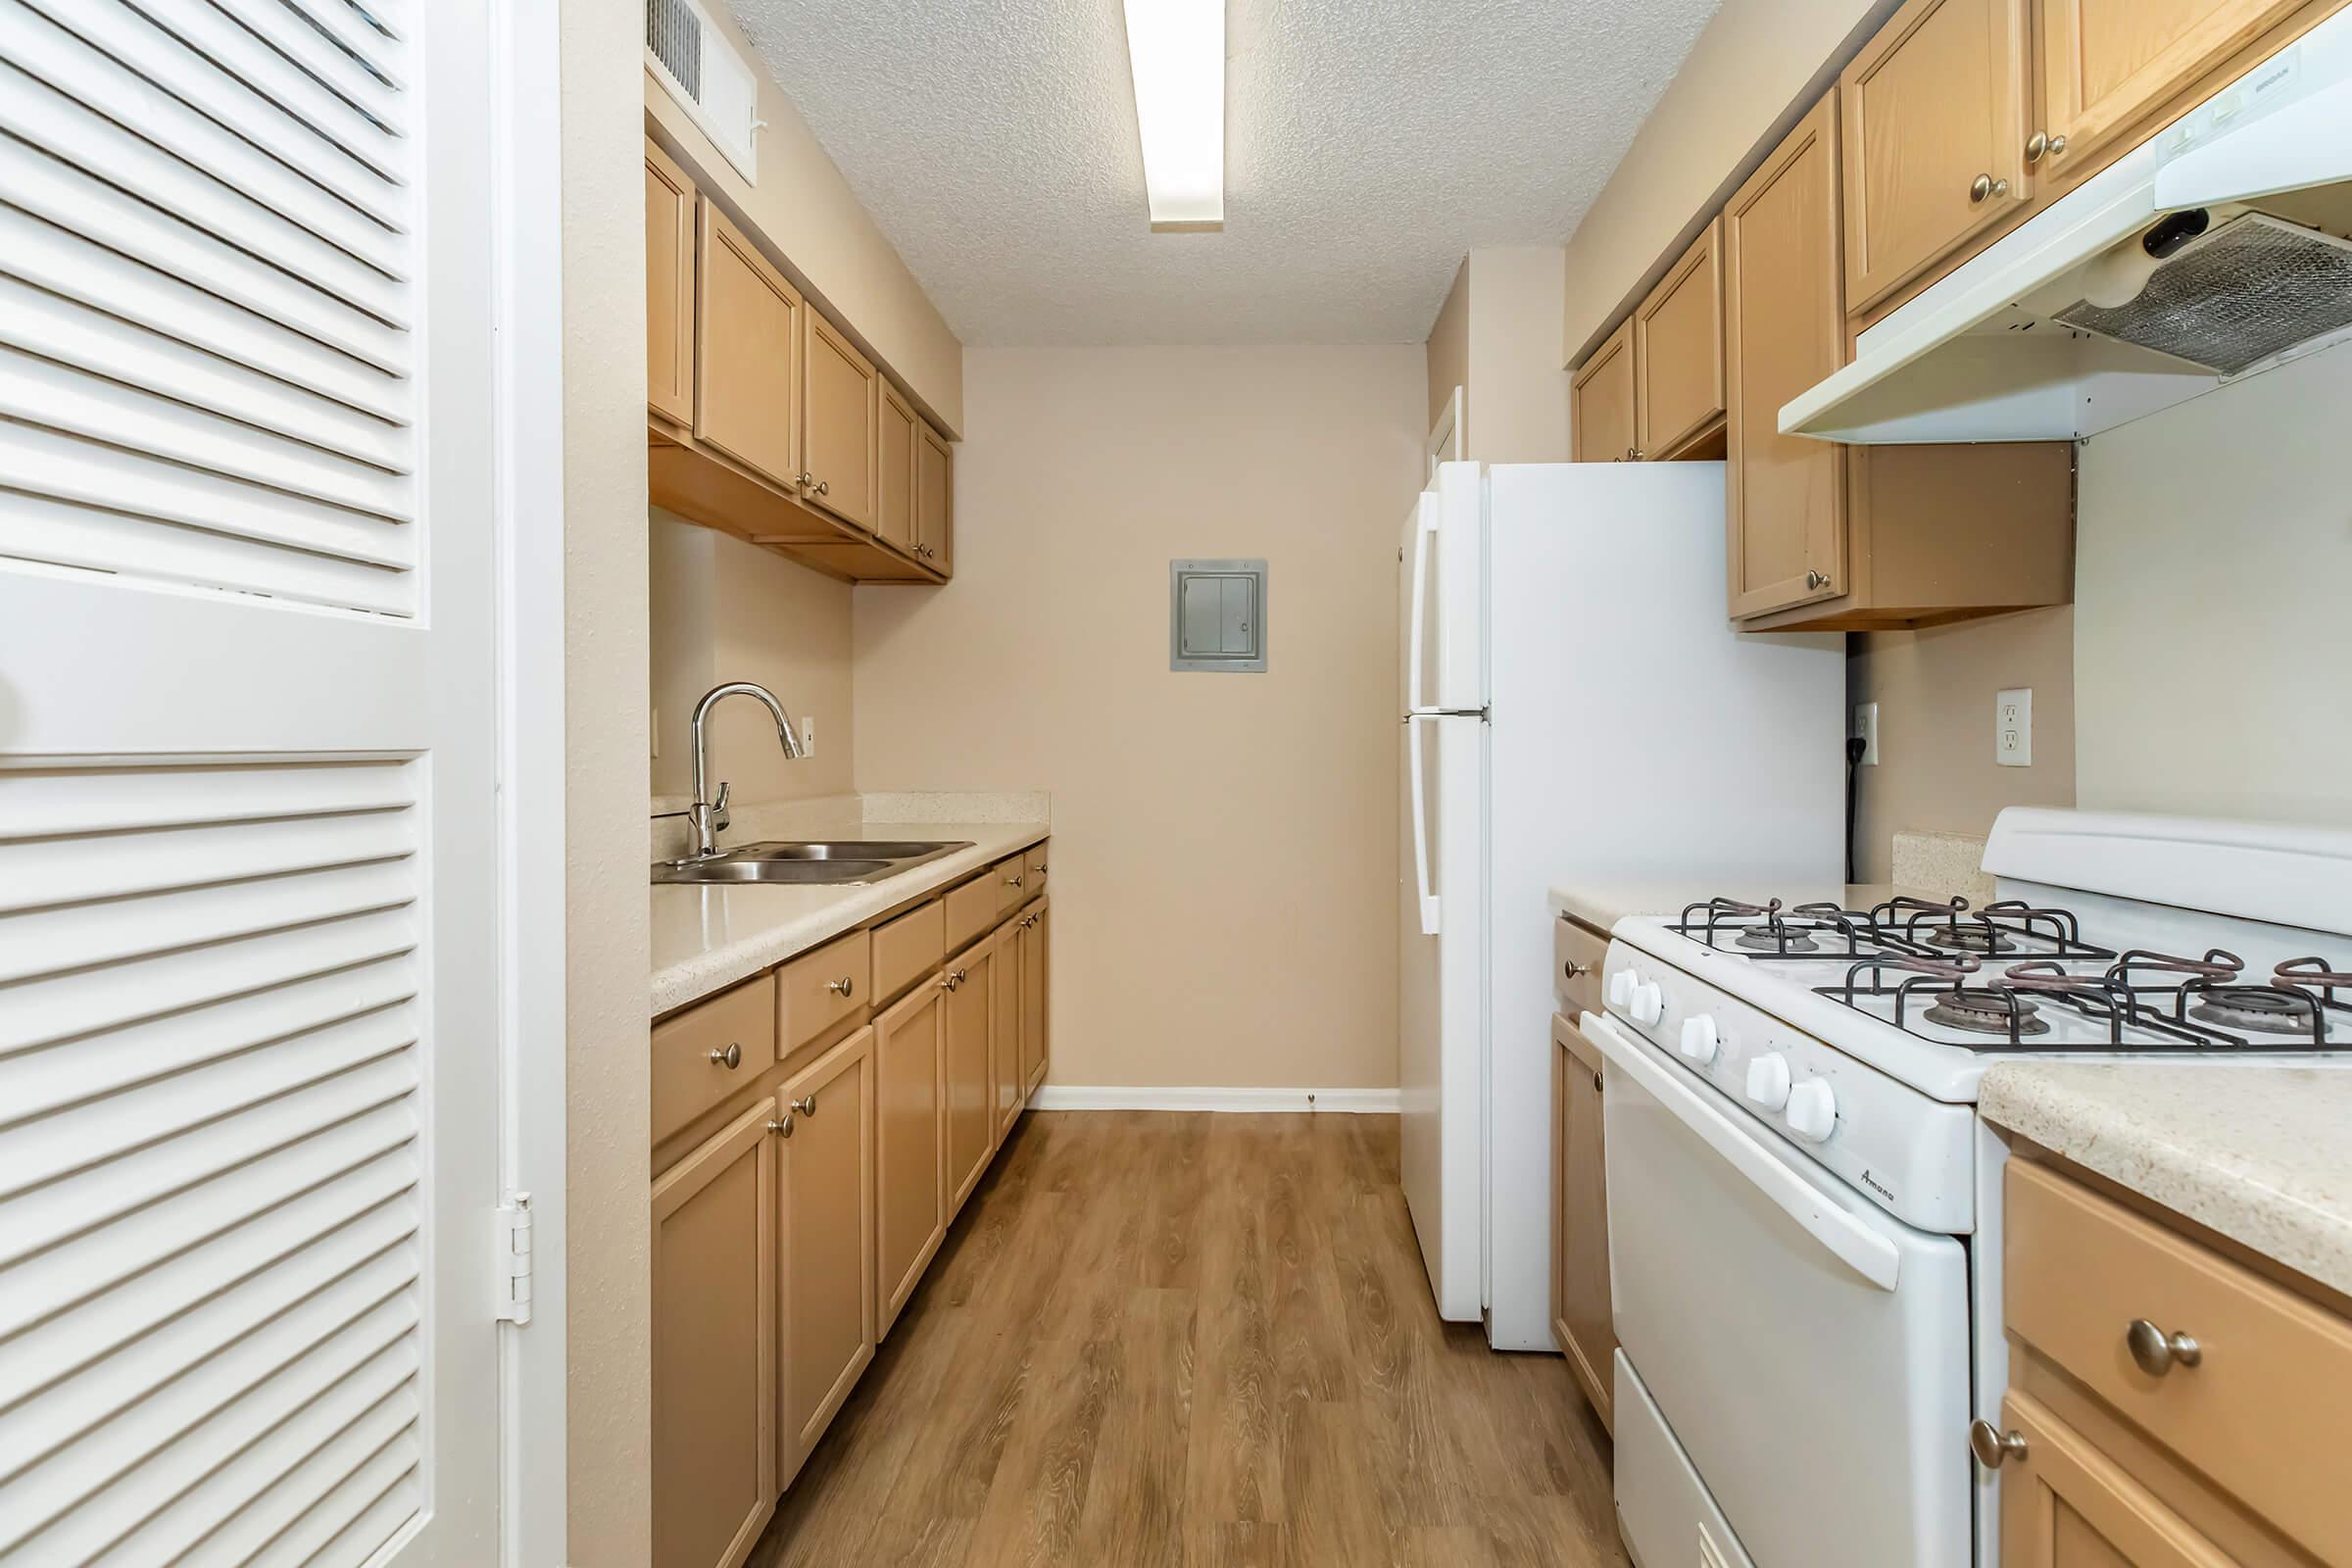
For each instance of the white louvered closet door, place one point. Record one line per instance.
(247, 1027)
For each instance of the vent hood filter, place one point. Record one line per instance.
(2251, 289)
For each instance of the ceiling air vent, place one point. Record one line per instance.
(703, 71)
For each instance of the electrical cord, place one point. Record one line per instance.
(1855, 746)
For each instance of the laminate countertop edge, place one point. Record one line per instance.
(2259, 1153)
(707, 938)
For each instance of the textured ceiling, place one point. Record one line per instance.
(1369, 143)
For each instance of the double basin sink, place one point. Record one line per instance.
(836, 862)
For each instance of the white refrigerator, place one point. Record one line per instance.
(1577, 706)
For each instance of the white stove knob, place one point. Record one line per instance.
(1621, 988)
(1768, 1080)
(1701, 1037)
(1647, 1003)
(1812, 1111)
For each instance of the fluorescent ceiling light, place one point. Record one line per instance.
(1176, 49)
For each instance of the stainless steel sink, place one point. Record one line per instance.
(837, 862)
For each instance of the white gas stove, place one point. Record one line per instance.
(1790, 1139)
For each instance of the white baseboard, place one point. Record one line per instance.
(1133, 1096)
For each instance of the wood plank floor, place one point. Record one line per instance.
(1172, 1341)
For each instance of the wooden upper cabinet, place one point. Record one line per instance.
(842, 395)
(825, 1244)
(670, 220)
(1678, 348)
(934, 499)
(1601, 401)
(1783, 329)
(746, 353)
(2107, 63)
(713, 1323)
(1934, 131)
(894, 478)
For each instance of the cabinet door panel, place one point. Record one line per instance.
(1036, 980)
(825, 1244)
(1784, 495)
(670, 220)
(1004, 1032)
(2065, 1504)
(894, 480)
(1603, 401)
(1935, 138)
(842, 394)
(2106, 63)
(1582, 1321)
(911, 1189)
(969, 1013)
(713, 1323)
(746, 353)
(1677, 343)
(934, 497)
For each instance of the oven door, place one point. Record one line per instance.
(1807, 1352)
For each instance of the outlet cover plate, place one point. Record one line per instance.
(2013, 727)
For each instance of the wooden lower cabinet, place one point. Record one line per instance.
(824, 1244)
(909, 1144)
(969, 1020)
(1581, 1319)
(1034, 927)
(1010, 1089)
(713, 1329)
(2065, 1504)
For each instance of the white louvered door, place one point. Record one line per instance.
(248, 1026)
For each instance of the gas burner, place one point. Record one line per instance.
(1976, 936)
(2256, 1009)
(1775, 937)
(1978, 1012)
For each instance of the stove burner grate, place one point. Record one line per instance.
(1987, 1010)
(2257, 1009)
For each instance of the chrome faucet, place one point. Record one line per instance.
(710, 816)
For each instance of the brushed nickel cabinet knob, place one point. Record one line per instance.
(729, 1057)
(2157, 1351)
(806, 1105)
(843, 986)
(1993, 1446)
(781, 1126)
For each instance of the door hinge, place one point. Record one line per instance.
(511, 1268)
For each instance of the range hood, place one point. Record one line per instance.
(2218, 249)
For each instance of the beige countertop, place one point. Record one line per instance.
(2261, 1153)
(707, 938)
(1602, 902)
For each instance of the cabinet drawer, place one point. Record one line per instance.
(908, 949)
(706, 1053)
(1575, 953)
(817, 990)
(1012, 877)
(2266, 1412)
(972, 909)
(1034, 871)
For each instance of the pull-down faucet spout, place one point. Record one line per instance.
(709, 814)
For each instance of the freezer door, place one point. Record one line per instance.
(1441, 593)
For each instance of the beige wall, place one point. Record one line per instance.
(1448, 349)
(721, 610)
(607, 952)
(1493, 337)
(1223, 845)
(1934, 690)
(1518, 392)
(1753, 71)
(2213, 646)
(818, 229)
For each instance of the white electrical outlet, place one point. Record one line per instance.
(1866, 725)
(2013, 727)
(807, 734)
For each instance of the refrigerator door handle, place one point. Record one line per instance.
(1427, 895)
(1427, 512)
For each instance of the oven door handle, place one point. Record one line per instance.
(1853, 1242)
